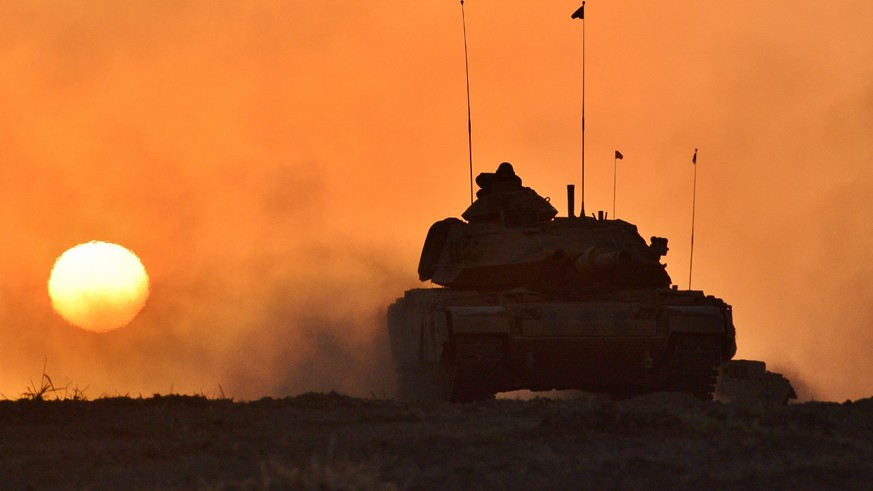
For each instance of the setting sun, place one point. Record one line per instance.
(98, 286)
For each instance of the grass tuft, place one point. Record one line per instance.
(46, 389)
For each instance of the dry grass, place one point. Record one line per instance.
(330, 441)
(316, 475)
(323, 472)
(47, 390)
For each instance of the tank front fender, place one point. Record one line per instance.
(700, 319)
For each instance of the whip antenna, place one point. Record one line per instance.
(693, 205)
(580, 14)
(469, 119)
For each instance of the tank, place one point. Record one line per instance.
(524, 299)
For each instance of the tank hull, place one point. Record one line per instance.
(463, 345)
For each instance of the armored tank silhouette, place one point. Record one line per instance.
(530, 300)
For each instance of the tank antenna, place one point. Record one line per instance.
(469, 118)
(580, 14)
(693, 203)
(618, 156)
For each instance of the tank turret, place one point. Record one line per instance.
(511, 238)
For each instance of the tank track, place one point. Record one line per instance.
(469, 371)
(424, 382)
(462, 382)
(476, 363)
(693, 364)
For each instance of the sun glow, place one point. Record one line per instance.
(98, 286)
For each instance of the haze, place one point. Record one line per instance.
(276, 168)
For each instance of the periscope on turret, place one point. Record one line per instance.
(529, 300)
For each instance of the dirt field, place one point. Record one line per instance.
(330, 441)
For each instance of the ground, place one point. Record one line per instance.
(330, 441)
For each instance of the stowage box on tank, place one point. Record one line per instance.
(528, 300)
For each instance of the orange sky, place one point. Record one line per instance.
(276, 168)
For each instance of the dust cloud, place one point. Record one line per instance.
(276, 167)
(218, 142)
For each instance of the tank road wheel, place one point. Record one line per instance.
(693, 364)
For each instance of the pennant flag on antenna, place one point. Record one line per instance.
(618, 155)
(694, 158)
(579, 14)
